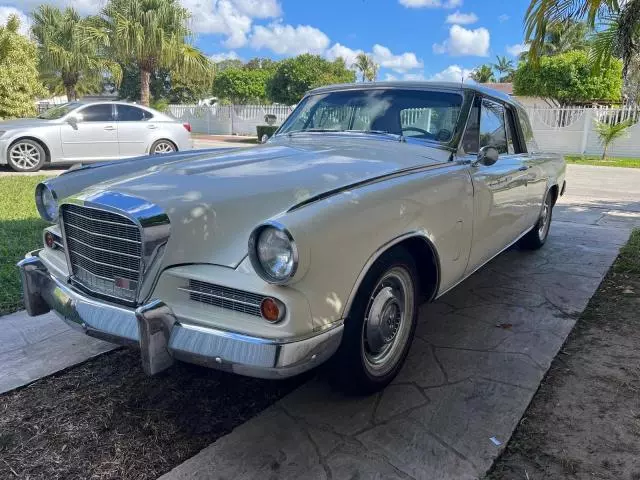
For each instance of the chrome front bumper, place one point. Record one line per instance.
(163, 338)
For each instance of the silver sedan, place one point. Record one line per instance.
(86, 132)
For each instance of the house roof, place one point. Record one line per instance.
(506, 88)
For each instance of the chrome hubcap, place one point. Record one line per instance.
(387, 321)
(544, 218)
(163, 147)
(24, 155)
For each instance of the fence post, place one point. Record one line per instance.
(586, 128)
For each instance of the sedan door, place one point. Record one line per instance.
(500, 189)
(135, 128)
(90, 134)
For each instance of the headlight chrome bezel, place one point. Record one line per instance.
(41, 190)
(254, 238)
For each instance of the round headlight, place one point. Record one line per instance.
(47, 203)
(273, 253)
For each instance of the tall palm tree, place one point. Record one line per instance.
(616, 22)
(483, 74)
(562, 37)
(505, 68)
(366, 66)
(150, 34)
(65, 52)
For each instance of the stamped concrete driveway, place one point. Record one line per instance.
(478, 357)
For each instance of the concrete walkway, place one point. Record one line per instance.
(478, 358)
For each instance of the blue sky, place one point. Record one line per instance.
(409, 39)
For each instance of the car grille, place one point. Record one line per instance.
(224, 297)
(104, 250)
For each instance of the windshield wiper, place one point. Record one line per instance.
(378, 132)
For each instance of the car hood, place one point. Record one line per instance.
(214, 200)
(22, 123)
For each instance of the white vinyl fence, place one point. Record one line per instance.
(567, 130)
(228, 119)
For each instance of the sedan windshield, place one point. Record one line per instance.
(420, 114)
(59, 111)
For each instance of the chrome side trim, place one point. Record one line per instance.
(419, 234)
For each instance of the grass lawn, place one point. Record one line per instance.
(20, 231)
(609, 162)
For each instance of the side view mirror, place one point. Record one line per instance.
(74, 119)
(487, 155)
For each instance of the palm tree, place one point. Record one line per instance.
(562, 37)
(65, 52)
(504, 66)
(366, 66)
(150, 34)
(616, 22)
(483, 74)
(609, 132)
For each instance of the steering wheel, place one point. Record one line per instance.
(416, 129)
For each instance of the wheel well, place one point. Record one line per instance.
(427, 265)
(163, 140)
(554, 191)
(47, 153)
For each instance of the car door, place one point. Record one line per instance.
(500, 188)
(90, 133)
(135, 128)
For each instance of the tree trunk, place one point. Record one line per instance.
(145, 78)
(604, 152)
(71, 92)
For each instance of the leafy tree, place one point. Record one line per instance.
(67, 54)
(616, 22)
(483, 74)
(568, 79)
(504, 66)
(295, 76)
(152, 35)
(241, 85)
(609, 132)
(19, 78)
(222, 65)
(170, 87)
(366, 66)
(261, 64)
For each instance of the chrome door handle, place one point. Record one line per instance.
(152, 127)
(109, 127)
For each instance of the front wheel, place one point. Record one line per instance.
(26, 156)
(537, 237)
(380, 326)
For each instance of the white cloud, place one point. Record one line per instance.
(416, 77)
(453, 73)
(259, 8)
(289, 40)
(503, 18)
(399, 63)
(25, 22)
(219, 57)
(517, 49)
(431, 3)
(339, 50)
(462, 18)
(465, 42)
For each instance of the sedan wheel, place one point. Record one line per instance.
(537, 237)
(162, 146)
(380, 326)
(26, 156)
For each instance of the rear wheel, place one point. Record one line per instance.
(380, 326)
(537, 237)
(162, 146)
(26, 156)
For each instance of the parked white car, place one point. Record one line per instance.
(319, 244)
(80, 132)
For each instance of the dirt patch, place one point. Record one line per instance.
(584, 421)
(105, 419)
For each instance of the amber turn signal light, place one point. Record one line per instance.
(272, 310)
(49, 240)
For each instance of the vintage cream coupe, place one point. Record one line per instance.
(319, 244)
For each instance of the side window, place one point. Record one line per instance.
(102, 112)
(513, 144)
(527, 131)
(129, 113)
(492, 129)
(472, 132)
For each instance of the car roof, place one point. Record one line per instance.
(454, 86)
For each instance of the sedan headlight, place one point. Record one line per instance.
(273, 253)
(47, 203)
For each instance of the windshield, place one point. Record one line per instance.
(420, 114)
(59, 111)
